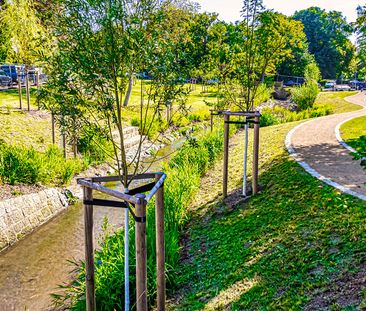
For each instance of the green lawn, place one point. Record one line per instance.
(9, 99)
(298, 245)
(354, 134)
(337, 101)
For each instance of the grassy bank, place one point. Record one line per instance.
(337, 101)
(354, 133)
(298, 245)
(325, 104)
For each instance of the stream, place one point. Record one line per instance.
(32, 269)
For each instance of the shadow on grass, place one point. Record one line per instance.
(299, 245)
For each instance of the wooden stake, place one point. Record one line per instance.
(160, 246)
(226, 154)
(211, 120)
(89, 251)
(27, 88)
(19, 90)
(53, 127)
(141, 257)
(255, 155)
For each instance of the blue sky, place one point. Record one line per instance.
(229, 10)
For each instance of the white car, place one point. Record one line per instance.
(342, 87)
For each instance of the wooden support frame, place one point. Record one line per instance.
(254, 117)
(140, 202)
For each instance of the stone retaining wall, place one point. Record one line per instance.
(23, 214)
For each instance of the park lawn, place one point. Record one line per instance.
(336, 100)
(27, 129)
(298, 245)
(354, 133)
(9, 99)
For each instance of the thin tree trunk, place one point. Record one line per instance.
(129, 91)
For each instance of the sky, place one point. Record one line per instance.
(229, 10)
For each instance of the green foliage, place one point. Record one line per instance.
(328, 36)
(278, 115)
(305, 95)
(312, 73)
(90, 143)
(262, 41)
(264, 93)
(28, 166)
(22, 28)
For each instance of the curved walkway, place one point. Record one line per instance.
(315, 146)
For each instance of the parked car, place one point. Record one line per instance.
(10, 71)
(4, 79)
(329, 85)
(342, 87)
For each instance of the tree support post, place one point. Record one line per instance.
(19, 89)
(160, 246)
(27, 87)
(53, 127)
(89, 251)
(211, 119)
(141, 255)
(226, 153)
(255, 154)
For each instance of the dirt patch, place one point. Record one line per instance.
(346, 291)
(8, 191)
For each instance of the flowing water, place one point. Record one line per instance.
(32, 269)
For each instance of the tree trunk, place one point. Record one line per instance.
(129, 91)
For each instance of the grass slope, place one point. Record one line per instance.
(354, 133)
(337, 101)
(298, 245)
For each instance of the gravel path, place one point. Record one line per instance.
(315, 146)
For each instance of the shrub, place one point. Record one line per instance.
(304, 96)
(28, 166)
(263, 94)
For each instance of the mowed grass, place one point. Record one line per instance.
(354, 134)
(298, 245)
(337, 101)
(9, 99)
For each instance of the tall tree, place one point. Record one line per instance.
(28, 38)
(327, 34)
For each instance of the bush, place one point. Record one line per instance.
(263, 94)
(304, 96)
(278, 115)
(89, 145)
(28, 166)
(184, 172)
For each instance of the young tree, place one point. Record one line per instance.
(261, 42)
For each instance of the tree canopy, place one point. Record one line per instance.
(328, 37)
